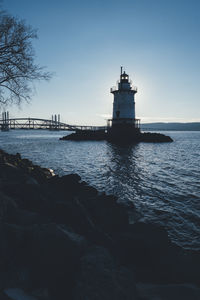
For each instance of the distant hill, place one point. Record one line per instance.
(172, 126)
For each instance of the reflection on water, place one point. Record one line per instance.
(161, 180)
(124, 171)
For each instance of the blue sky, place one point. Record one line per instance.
(85, 42)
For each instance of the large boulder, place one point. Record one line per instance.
(13, 167)
(104, 211)
(25, 218)
(148, 250)
(64, 186)
(87, 190)
(40, 174)
(4, 296)
(40, 256)
(73, 214)
(17, 294)
(53, 255)
(185, 267)
(27, 196)
(7, 206)
(168, 292)
(12, 242)
(13, 269)
(143, 240)
(11, 173)
(69, 213)
(79, 206)
(145, 248)
(101, 278)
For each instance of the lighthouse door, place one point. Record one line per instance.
(117, 113)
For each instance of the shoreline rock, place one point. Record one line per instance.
(62, 239)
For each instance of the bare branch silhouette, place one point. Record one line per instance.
(18, 71)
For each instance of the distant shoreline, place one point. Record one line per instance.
(174, 126)
(189, 130)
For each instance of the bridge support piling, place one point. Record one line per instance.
(5, 121)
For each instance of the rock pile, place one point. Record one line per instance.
(84, 135)
(62, 239)
(99, 135)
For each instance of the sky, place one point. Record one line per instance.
(84, 43)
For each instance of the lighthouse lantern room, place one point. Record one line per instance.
(123, 118)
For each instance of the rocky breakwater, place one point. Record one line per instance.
(86, 135)
(62, 239)
(99, 135)
(153, 137)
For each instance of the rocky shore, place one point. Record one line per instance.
(62, 239)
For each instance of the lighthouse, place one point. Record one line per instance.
(123, 123)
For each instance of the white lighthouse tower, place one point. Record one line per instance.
(124, 123)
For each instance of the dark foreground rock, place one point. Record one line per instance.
(169, 291)
(62, 239)
(101, 278)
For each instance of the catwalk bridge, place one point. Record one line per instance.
(7, 123)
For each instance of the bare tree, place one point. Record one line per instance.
(17, 68)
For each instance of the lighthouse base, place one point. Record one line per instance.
(118, 134)
(123, 133)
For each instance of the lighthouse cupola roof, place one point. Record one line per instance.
(124, 77)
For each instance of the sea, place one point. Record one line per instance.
(157, 182)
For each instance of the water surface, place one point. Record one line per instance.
(161, 180)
